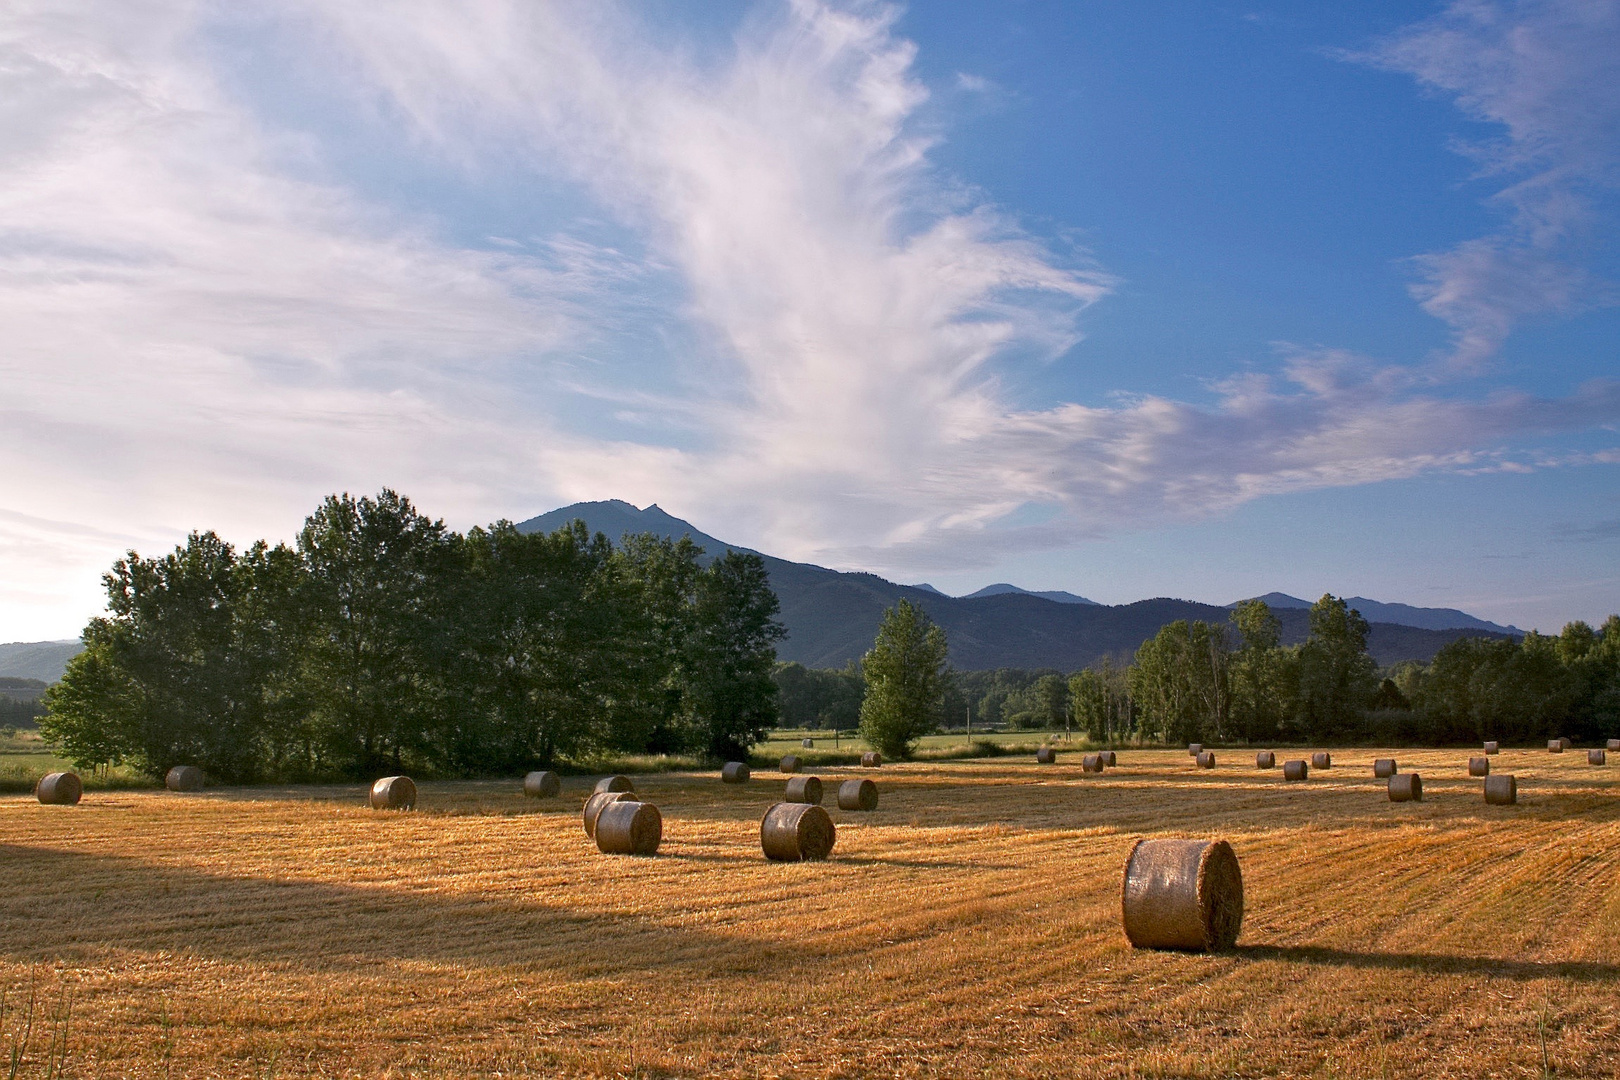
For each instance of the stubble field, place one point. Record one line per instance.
(969, 927)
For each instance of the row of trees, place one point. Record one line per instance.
(382, 640)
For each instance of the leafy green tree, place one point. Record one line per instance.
(1264, 674)
(731, 651)
(96, 711)
(1181, 683)
(1051, 701)
(819, 697)
(906, 676)
(1336, 676)
(659, 716)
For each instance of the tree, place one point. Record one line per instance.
(730, 654)
(1181, 683)
(1264, 674)
(905, 681)
(1336, 676)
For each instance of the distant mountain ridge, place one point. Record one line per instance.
(832, 616)
(1400, 614)
(38, 659)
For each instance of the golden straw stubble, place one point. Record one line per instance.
(629, 828)
(59, 789)
(857, 795)
(804, 789)
(393, 793)
(794, 832)
(1182, 894)
(600, 799)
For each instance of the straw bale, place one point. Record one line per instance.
(542, 785)
(1596, 757)
(1406, 787)
(790, 763)
(59, 789)
(1384, 768)
(1555, 746)
(735, 772)
(1206, 760)
(871, 759)
(1501, 790)
(1612, 745)
(1492, 747)
(796, 831)
(857, 795)
(1479, 766)
(808, 744)
(1109, 758)
(614, 783)
(1321, 760)
(1565, 743)
(1182, 894)
(184, 778)
(805, 789)
(600, 799)
(1296, 770)
(1092, 763)
(1194, 749)
(394, 793)
(629, 828)
(1046, 755)
(1265, 759)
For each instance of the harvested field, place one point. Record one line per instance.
(293, 932)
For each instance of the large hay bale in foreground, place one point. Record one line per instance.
(1296, 770)
(59, 789)
(1265, 759)
(790, 763)
(1182, 894)
(1479, 766)
(1206, 760)
(871, 759)
(1501, 790)
(1194, 749)
(857, 795)
(794, 832)
(1493, 747)
(544, 784)
(735, 772)
(1046, 755)
(1384, 768)
(184, 778)
(598, 801)
(1555, 746)
(1109, 758)
(1406, 787)
(1596, 757)
(804, 789)
(1321, 760)
(614, 783)
(629, 828)
(1092, 763)
(394, 793)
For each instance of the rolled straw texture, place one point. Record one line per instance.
(1555, 746)
(542, 785)
(735, 772)
(600, 799)
(1612, 745)
(1501, 790)
(1296, 770)
(808, 744)
(790, 763)
(1321, 760)
(1046, 755)
(393, 793)
(59, 789)
(1092, 763)
(1384, 768)
(1182, 894)
(1479, 766)
(804, 789)
(629, 828)
(1109, 758)
(793, 832)
(1492, 747)
(1265, 759)
(1406, 787)
(871, 759)
(614, 783)
(183, 778)
(1206, 760)
(1596, 757)
(857, 795)
(1194, 749)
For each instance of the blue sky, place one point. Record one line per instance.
(1128, 299)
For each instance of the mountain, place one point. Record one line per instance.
(1001, 588)
(38, 659)
(831, 617)
(1424, 618)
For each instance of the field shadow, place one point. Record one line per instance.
(1522, 970)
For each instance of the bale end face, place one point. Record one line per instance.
(1265, 759)
(1046, 755)
(735, 772)
(1406, 787)
(600, 799)
(1321, 760)
(59, 789)
(629, 828)
(794, 832)
(1501, 790)
(614, 783)
(804, 789)
(1479, 766)
(790, 764)
(1296, 770)
(1384, 768)
(542, 785)
(1596, 757)
(184, 778)
(1206, 760)
(871, 759)
(1182, 894)
(394, 793)
(1492, 747)
(857, 795)
(1092, 763)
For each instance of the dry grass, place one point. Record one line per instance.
(969, 927)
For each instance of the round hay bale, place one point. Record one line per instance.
(1265, 759)
(600, 799)
(1206, 760)
(1406, 787)
(1092, 763)
(1109, 758)
(790, 763)
(871, 759)
(59, 789)
(1612, 745)
(1565, 743)
(804, 789)
(1321, 760)
(1555, 746)
(794, 832)
(614, 783)
(1479, 766)
(542, 785)
(394, 793)
(1596, 757)
(735, 772)
(1296, 770)
(184, 778)
(1492, 747)
(857, 795)
(1384, 768)
(808, 744)
(629, 828)
(1182, 894)
(1501, 790)
(1194, 749)
(1046, 755)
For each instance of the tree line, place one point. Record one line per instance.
(381, 640)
